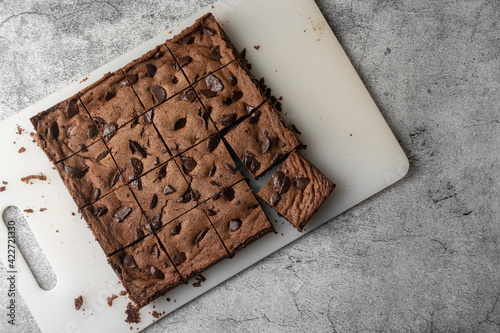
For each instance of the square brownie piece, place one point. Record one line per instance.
(230, 94)
(202, 48)
(163, 194)
(116, 220)
(111, 102)
(145, 270)
(137, 147)
(64, 129)
(208, 168)
(237, 216)
(192, 243)
(262, 140)
(297, 190)
(90, 174)
(182, 122)
(155, 76)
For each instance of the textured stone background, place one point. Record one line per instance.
(423, 256)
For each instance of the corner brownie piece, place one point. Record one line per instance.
(192, 243)
(137, 147)
(145, 270)
(116, 220)
(182, 122)
(297, 190)
(208, 167)
(230, 94)
(155, 76)
(262, 140)
(202, 48)
(90, 174)
(111, 102)
(237, 216)
(64, 129)
(164, 194)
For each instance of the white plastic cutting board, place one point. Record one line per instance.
(301, 60)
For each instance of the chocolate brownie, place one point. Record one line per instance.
(111, 102)
(262, 140)
(64, 129)
(208, 167)
(297, 190)
(155, 76)
(163, 194)
(237, 216)
(145, 270)
(230, 94)
(192, 243)
(182, 122)
(90, 174)
(137, 147)
(202, 48)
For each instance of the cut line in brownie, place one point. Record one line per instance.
(297, 190)
(202, 48)
(64, 129)
(155, 76)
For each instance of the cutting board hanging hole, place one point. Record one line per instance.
(30, 249)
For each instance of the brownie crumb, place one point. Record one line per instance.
(302, 147)
(21, 150)
(20, 130)
(32, 134)
(28, 179)
(168, 299)
(133, 315)
(295, 129)
(257, 47)
(199, 279)
(78, 302)
(111, 298)
(4, 182)
(85, 79)
(29, 211)
(73, 213)
(43, 209)
(156, 314)
(122, 293)
(244, 53)
(2, 188)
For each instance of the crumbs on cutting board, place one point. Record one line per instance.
(20, 130)
(257, 47)
(21, 150)
(29, 211)
(28, 179)
(2, 188)
(43, 209)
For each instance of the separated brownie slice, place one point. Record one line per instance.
(116, 220)
(208, 167)
(155, 76)
(163, 194)
(262, 140)
(230, 94)
(192, 243)
(64, 129)
(137, 147)
(237, 216)
(183, 122)
(202, 48)
(111, 102)
(145, 270)
(297, 190)
(90, 174)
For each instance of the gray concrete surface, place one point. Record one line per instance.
(422, 256)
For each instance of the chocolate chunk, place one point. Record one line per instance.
(114, 178)
(71, 108)
(234, 225)
(276, 158)
(148, 117)
(211, 212)
(162, 172)
(53, 130)
(180, 123)
(68, 131)
(158, 55)
(301, 182)
(189, 96)
(208, 31)
(109, 95)
(213, 143)
(177, 229)
(100, 211)
(137, 184)
(96, 193)
(183, 61)
(250, 161)
(215, 53)
(254, 206)
(231, 168)
(266, 145)
(249, 108)
(185, 198)
(212, 170)
(190, 40)
(136, 147)
(109, 130)
(157, 273)
(99, 122)
(74, 172)
(280, 143)
(175, 80)
(122, 213)
(137, 166)
(168, 190)
(216, 196)
(281, 182)
(228, 120)
(130, 79)
(237, 95)
(93, 132)
(151, 70)
(139, 234)
(153, 202)
(214, 183)
(156, 161)
(227, 101)
(128, 261)
(188, 164)
(159, 94)
(254, 119)
(208, 93)
(200, 236)
(228, 194)
(233, 80)
(275, 198)
(179, 258)
(213, 83)
(156, 251)
(82, 147)
(154, 223)
(102, 155)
